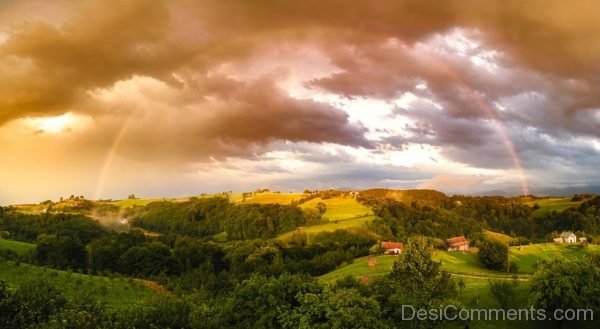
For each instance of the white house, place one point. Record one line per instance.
(568, 237)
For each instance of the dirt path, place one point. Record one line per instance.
(487, 277)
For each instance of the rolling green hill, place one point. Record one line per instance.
(467, 263)
(116, 292)
(19, 247)
(339, 208)
(527, 256)
(329, 227)
(552, 204)
(266, 197)
(342, 213)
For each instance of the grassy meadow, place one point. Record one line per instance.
(552, 204)
(115, 292)
(467, 263)
(19, 247)
(340, 208)
(267, 197)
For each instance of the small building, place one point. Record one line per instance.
(392, 248)
(583, 240)
(558, 240)
(459, 243)
(568, 237)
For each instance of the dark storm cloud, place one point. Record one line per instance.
(549, 59)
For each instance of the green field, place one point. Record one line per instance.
(530, 254)
(267, 197)
(552, 204)
(340, 208)
(116, 292)
(128, 203)
(467, 264)
(329, 227)
(342, 213)
(459, 263)
(19, 247)
(506, 239)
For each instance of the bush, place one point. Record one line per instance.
(493, 254)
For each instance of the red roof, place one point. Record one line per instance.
(457, 241)
(392, 245)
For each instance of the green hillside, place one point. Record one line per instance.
(339, 208)
(529, 255)
(331, 226)
(467, 264)
(552, 204)
(116, 292)
(19, 247)
(266, 197)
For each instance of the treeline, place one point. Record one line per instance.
(439, 216)
(208, 216)
(27, 227)
(397, 220)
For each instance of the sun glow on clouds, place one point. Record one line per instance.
(57, 124)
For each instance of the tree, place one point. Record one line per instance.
(259, 302)
(415, 280)
(493, 254)
(61, 252)
(321, 207)
(338, 309)
(33, 303)
(503, 291)
(565, 284)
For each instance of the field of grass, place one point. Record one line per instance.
(19, 247)
(116, 292)
(459, 263)
(506, 239)
(340, 208)
(467, 264)
(551, 204)
(267, 197)
(128, 203)
(379, 265)
(329, 227)
(527, 257)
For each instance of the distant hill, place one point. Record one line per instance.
(404, 196)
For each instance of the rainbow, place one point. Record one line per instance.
(446, 69)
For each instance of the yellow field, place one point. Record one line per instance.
(498, 236)
(329, 227)
(340, 208)
(267, 197)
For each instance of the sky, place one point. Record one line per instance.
(104, 98)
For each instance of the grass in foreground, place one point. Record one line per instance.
(116, 292)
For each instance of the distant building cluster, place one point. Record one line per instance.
(569, 237)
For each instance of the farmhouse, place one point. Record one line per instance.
(568, 237)
(459, 243)
(392, 248)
